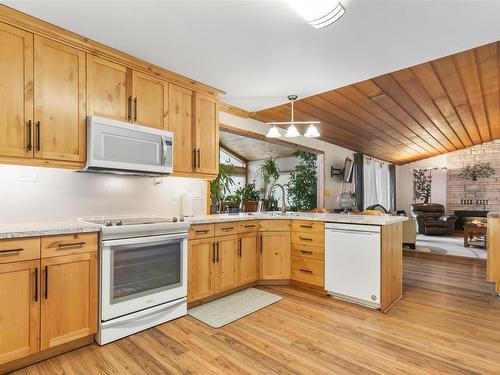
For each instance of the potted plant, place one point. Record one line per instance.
(270, 172)
(303, 183)
(220, 187)
(249, 197)
(233, 203)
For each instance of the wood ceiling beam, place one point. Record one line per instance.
(228, 108)
(228, 150)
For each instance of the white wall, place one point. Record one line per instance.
(334, 155)
(59, 194)
(404, 181)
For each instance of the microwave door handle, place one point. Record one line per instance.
(165, 150)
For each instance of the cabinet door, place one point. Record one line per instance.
(69, 298)
(207, 135)
(59, 101)
(226, 253)
(16, 92)
(108, 85)
(248, 266)
(201, 261)
(275, 255)
(150, 105)
(181, 124)
(20, 309)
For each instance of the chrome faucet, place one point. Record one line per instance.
(283, 206)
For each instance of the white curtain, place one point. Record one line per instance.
(377, 183)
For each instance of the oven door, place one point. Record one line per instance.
(138, 273)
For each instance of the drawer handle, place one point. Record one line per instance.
(11, 251)
(305, 271)
(201, 231)
(46, 294)
(68, 245)
(250, 226)
(36, 284)
(228, 228)
(306, 252)
(306, 226)
(305, 238)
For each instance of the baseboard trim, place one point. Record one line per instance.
(46, 354)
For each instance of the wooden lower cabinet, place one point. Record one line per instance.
(69, 295)
(20, 310)
(201, 262)
(308, 270)
(225, 263)
(275, 255)
(247, 266)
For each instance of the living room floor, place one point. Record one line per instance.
(448, 245)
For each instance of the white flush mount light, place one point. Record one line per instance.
(273, 132)
(318, 13)
(311, 132)
(292, 131)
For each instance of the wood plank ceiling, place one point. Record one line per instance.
(411, 114)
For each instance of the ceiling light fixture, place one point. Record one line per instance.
(318, 13)
(292, 132)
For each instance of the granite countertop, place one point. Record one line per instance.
(494, 214)
(330, 218)
(45, 229)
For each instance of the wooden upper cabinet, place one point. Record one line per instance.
(180, 123)
(150, 100)
(59, 101)
(108, 89)
(16, 92)
(69, 298)
(207, 134)
(20, 312)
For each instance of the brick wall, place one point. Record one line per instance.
(483, 188)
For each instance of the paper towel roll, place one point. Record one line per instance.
(187, 204)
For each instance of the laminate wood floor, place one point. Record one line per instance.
(447, 323)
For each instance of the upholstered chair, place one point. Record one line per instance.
(431, 219)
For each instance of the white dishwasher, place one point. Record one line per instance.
(352, 263)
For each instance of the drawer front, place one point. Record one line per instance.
(307, 226)
(69, 244)
(248, 226)
(18, 249)
(274, 225)
(223, 229)
(310, 271)
(201, 231)
(311, 239)
(313, 252)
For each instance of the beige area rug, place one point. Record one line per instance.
(449, 245)
(228, 309)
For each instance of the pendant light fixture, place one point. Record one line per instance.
(292, 131)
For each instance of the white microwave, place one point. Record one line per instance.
(122, 148)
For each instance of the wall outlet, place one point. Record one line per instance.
(30, 177)
(157, 181)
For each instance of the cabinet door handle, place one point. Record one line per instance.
(217, 251)
(305, 238)
(130, 108)
(68, 245)
(38, 136)
(29, 145)
(306, 252)
(213, 252)
(36, 284)
(135, 108)
(46, 282)
(194, 158)
(261, 243)
(239, 248)
(305, 271)
(198, 152)
(11, 251)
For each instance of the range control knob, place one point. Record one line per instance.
(108, 223)
(119, 222)
(174, 219)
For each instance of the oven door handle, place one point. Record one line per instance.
(145, 240)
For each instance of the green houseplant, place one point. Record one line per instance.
(270, 172)
(220, 186)
(233, 203)
(303, 183)
(249, 197)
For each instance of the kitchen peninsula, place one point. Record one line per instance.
(232, 252)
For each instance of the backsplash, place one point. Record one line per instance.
(31, 194)
(459, 189)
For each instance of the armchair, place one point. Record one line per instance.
(431, 219)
